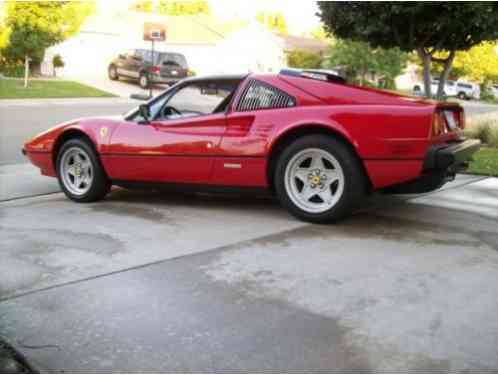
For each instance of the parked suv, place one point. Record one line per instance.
(449, 88)
(163, 67)
(467, 90)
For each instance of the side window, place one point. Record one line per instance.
(198, 98)
(138, 55)
(259, 95)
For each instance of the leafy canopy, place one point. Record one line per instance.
(357, 59)
(274, 21)
(438, 26)
(480, 63)
(31, 27)
(171, 8)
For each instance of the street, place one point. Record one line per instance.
(194, 282)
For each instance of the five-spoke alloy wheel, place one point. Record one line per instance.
(319, 179)
(314, 180)
(76, 170)
(81, 176)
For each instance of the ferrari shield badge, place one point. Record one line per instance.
(103, 132)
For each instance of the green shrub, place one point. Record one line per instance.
(12, 70)
(304, 60)
(485, 129)
(57, 61)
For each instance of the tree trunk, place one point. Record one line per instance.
(444, 74)
(426, 61)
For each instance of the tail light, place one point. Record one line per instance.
(447, 120)
(155, 69)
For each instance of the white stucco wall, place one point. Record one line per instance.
(251, 49)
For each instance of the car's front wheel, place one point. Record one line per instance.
(80, 174)
(318, 179)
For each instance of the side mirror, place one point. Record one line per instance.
(144, 111)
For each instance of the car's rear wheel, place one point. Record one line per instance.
(462, 96)
(81, 176)
(143, 81)
(318, 179)
(113, 73)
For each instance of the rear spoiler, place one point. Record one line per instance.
(318, 74)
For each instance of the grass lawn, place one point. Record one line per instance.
(485, 162)
(14, 89)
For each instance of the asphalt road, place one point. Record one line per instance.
(21, 119)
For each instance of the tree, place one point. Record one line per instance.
(171, 8)
(480, 63)
(304, 59)
(429, 28)
(183, 8)
(35, 26)
(274, 21)
(358, 58)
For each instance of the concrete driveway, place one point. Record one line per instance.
(171, 282)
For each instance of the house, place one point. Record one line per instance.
(292, 43)
(210, 45)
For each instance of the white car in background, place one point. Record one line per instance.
(449, 88)
(467, 90)
(460, 89)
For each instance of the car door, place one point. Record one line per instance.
(123, 63)
(178, 146)
(135, 63)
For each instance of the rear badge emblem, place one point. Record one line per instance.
(103, 132)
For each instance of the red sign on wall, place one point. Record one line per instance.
(154, 31)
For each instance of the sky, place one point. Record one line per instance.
(299, 14)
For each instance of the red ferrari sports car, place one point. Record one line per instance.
(316, 142)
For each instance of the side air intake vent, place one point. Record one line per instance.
(259, 95)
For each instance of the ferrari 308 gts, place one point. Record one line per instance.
(319, 144)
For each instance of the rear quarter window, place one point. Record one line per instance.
(259, 95)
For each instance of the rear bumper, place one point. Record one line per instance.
(154, 78)
(450, 157)
(440, 165)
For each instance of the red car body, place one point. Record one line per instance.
(393, 136)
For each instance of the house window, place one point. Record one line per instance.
(259, 95)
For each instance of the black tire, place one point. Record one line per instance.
(100, 184)
(143, 80)
(462, 96)
(354, 179)
(112, 72)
